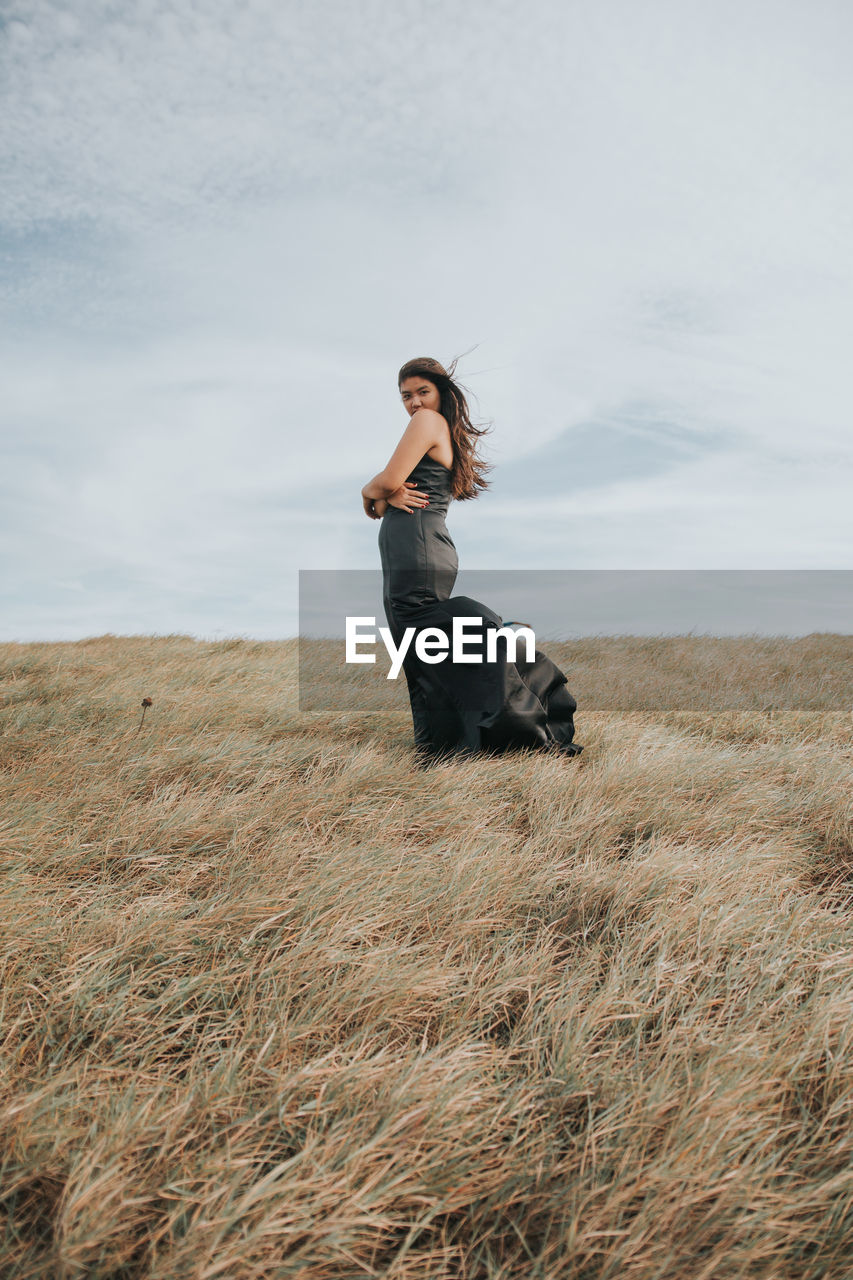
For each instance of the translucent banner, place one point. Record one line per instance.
(627, 640)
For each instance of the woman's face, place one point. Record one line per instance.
(419, 393)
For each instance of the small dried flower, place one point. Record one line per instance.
(146, 703)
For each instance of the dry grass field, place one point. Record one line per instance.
(275, 1003)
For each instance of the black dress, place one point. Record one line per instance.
(459, 709)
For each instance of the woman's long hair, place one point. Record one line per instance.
(468, 476)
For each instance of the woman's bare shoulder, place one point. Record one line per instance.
(428, 417)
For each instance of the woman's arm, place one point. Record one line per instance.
(423, 431)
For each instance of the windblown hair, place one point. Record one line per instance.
(468, 475)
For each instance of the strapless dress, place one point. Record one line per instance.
(462, 708)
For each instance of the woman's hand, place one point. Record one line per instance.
(375, 508)
(405, 498)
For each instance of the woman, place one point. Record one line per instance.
(496, 705)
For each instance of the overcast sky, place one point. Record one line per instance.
(225, 226)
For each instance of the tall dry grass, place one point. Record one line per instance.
(277, 1004)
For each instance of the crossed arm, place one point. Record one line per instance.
(389, 486)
